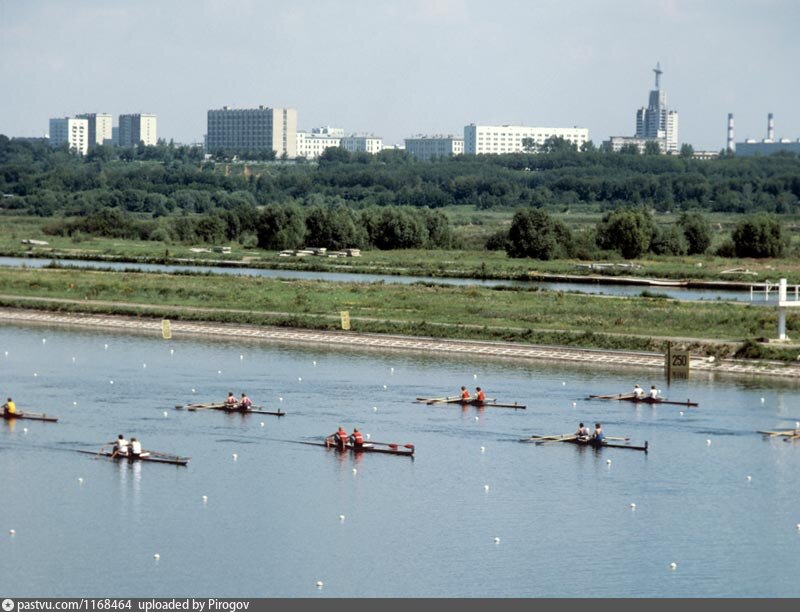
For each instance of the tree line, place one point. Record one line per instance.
(165, 179)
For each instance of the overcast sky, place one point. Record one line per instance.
(397, 68)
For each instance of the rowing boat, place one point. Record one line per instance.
(789, 433)
(235, 409)
(471, 402)
(153, 457)
(643, 400)
(580, 441)
(406, 450)
(33, 416)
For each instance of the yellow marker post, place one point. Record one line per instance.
(166, 332)
(345, 319)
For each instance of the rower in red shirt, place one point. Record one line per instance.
(480, 396)
(339, 439)
(356, 438)
(465, 394)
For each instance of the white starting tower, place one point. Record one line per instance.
(785, 300)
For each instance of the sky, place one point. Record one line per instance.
(397, 68)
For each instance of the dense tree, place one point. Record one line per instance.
(758, 236)
(535, 234)
(626, 231)
(697, 232)
(281, 227)
(669, 241)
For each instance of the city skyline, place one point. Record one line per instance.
(400, 69)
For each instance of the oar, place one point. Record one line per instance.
(195, 407)
(392, 445)
(535, 438)
(101, 449)
(617, 438)
(432, 399)
(565, 438)
(447, 400)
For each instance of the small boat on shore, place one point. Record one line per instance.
(387, 448)
(226, 408)
(487, 403)
(32, 416)
(630, 397)
(148, 456)
(609, 442)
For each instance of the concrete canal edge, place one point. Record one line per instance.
(332, 339)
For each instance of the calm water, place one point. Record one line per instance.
(679, 293)
(422, 527)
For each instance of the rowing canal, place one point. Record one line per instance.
(475, 513)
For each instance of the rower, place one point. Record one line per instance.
(598, 436)
(653, 392)
(339, 438)
(465, 394)
(583, 432)
(136, 449)
(120, 446)
(480, 396)
(245, 403)
(356, 439)
(231, 402)
(638, 392)
(9, 408)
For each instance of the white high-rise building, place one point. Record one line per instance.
(362, 144)
(253, 129)
(427, 147)
(137, 128)
(100, 128)
(311, 145)
(74, 132)
(499, 139)
(656, 121)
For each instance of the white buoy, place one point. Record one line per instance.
(367, 436)
(74, 403)
(341, 517)
(192, 390)
(299, 379)
(355, 471)
(497, 540)
(12, 532)
(797, 424)
(391, 370)
(749, 478)
(280, 399)
(235, 456)
(110, 382)
(144, 365)
(563, 383)
(205, 499)
(374, 409)
(166, 414)
(35, 374)
(219, 371)
(241, 357)
(574, 404)
(262, 423)
(633, 506)
(44, 340)
(385, 387)
(477, 418)
(708, 442)
(486, 488)
(24, 430)
(798, 526)
(762, 400)
(105, 346)
(474, 376)
(171, 351)
(6, 353)
(608, 461)
(483, 449)
(73, 360)
(673, 566)
(313, 363)
(156, 556)
(320, 584)
(80, 480)
(681, 413)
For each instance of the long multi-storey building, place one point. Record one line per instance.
(100, 128)
(253, 129)
(311, 145)
(137, 128)
(362, 144)
(73, 132)
(427, 147)
(499, 139)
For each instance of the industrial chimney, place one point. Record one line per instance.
(770, 127)
(731, 146)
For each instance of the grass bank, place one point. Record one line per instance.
(539, 317)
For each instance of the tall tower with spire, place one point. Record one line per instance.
(656, 121)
